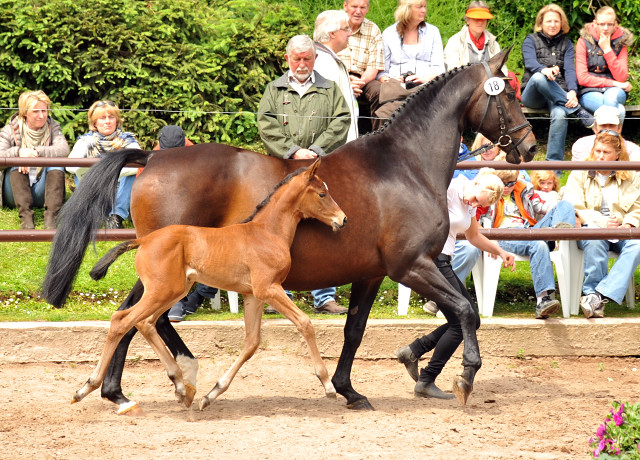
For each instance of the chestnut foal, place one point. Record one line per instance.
(252, 258)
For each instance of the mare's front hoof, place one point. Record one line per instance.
(190, 394)
(361, 404)
(462, 389)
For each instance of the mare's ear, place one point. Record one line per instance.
(497, 61)
(312, 169)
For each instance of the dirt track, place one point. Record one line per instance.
(521, 408)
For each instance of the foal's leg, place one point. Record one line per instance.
(112, 386)
(122, 321)
(278, 299)
(252, 318)
(185, 392)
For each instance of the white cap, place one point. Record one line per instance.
(607, 115)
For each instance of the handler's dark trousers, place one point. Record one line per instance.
(446, 338)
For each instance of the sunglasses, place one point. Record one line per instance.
(610, 132)
(510, 184)
(103, 103)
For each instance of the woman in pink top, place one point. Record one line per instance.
(601, 62)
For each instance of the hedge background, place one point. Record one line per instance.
(204, 64)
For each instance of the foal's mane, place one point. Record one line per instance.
(432, 88)
(275, 189)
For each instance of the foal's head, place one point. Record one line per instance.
(316, 202)
(309, 196)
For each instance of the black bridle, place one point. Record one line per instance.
(504, 141)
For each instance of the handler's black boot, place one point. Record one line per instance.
(410, 361)
(430, 390)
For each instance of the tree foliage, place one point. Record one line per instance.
(203, 64)
(184, 62)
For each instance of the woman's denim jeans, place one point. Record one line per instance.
(596, 265)
(615, 97)
(543, 93)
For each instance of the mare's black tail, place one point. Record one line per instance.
(79, 220)
(99, 270)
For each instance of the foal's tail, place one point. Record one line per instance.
(99, 270)
(79, 220)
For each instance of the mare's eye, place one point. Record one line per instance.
(511, 97)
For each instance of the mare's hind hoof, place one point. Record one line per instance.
(361, 404)
(190, 394)
(462, 389)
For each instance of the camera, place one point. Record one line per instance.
(408, 84)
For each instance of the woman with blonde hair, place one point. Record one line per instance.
(106, 135)
(549, 80)
(606, 199)
(463, 196)
(412, 48)
(33, 133)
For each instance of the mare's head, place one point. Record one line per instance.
(494, 111)
(316, 202)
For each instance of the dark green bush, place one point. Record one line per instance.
(167, 61)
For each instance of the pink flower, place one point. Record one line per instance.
(602, 429)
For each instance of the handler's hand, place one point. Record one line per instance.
(304, 154)
(509, 260)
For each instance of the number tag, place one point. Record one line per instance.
(494, 86)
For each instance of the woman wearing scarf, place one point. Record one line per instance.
(601, 62)
(549, 79)
(106, 135)
(32, 133)
(473, 43)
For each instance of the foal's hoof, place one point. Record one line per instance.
(462, 389)
(204, 403)
(361, 404)
(190, 394)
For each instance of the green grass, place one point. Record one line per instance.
(23, 266)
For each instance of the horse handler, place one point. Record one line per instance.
(463, 197)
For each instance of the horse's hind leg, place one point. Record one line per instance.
(284, 305)
(184, 393)
(252, 318)
(426, 279)
(112, 384)
(118, 328)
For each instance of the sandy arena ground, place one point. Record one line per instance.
(539, 408)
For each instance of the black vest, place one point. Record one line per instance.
(549, 52)
(597, 64)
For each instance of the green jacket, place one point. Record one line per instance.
(318, 121)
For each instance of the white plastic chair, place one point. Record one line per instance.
(233, 301)
(577, 269)
(569, 262)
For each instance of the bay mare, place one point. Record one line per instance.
(251, 258)
(392, 184)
